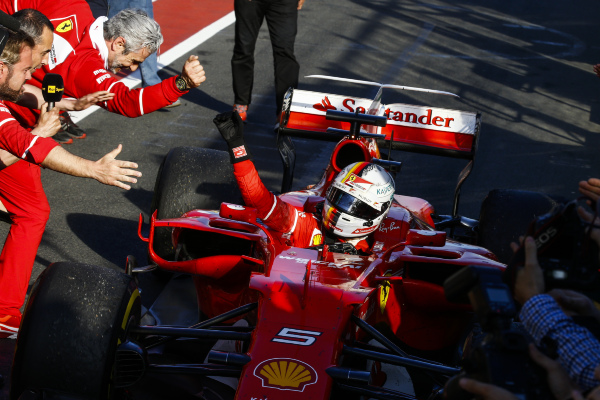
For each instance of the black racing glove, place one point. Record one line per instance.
(231, 127)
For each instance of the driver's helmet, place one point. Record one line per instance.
(358, 200)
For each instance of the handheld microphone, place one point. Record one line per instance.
(53, 89)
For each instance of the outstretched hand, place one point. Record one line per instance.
(113, 172)
(87, 101)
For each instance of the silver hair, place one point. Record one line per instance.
(137, 28)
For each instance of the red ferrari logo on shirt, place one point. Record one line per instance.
(239, 152)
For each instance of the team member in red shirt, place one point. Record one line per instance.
(21, 244)
(86, 49)
(345, 217)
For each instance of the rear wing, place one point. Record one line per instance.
(418, 129)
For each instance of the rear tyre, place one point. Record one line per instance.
(190, 178)
(74, 319)
(505, 215)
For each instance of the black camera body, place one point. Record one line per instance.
(500, 356)
(566, 253)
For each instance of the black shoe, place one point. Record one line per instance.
(63, 137)
(67, 125)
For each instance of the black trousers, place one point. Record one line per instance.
(282, 20)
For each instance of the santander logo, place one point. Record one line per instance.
(424, 119)
(398, 114)
(349, 104)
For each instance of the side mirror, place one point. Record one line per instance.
(417, 237)
(238, 213)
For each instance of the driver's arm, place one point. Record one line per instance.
(276, 214)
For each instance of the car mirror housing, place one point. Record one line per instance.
(418, 237)
(238, 213)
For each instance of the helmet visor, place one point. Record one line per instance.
(351, 205)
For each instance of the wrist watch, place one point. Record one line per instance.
(181, 84)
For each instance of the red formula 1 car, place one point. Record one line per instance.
(273, 321)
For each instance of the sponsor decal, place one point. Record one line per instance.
(54, 89)
(391, 227)
(235, 207)
(325, 264)
(239, 152)
(324, 105)
(103, 78)
(384, 293)
(65, 26)
(385, 190)
(297, 337)
(99, 71)
(364, 230)
(349, 106)
(356, 182)
(420, 117)
(316, 240)
(286, 374)
(52, 55)
(423, 119)
(378, 246)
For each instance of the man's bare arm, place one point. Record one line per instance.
(34, 98)
(106, 170)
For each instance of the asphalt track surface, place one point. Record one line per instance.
(525, 65)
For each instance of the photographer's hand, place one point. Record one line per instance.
(530, 279)
(590, 188)
(575, 303)
(485, 390)
(558, 381)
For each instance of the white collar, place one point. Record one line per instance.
(96, 33)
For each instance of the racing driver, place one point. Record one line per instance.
(357, 201)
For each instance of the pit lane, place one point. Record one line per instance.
(525, 66)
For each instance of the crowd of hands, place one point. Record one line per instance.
(529, 283)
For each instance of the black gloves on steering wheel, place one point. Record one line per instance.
(231, 127)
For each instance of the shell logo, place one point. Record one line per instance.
(285, 374)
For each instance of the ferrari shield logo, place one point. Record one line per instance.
(65, 26)
(384, 293)
(285, 374)
(356, 182)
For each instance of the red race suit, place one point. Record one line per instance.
(302, 229)
(22, 194)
